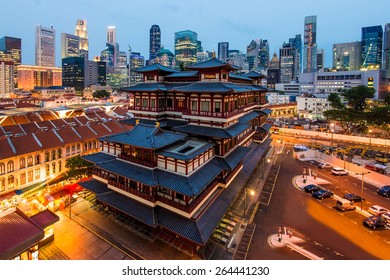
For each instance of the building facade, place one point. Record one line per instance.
(6, 78)
(30, 76)
(386, 50)
(45, 46)
(313, 106)
(186, 47)
(172, 172)
(136, 61)
(223, 51)
(273, 74)
(81, 31)
(320, 59)
(347, 56)
(166, 58)
(287, 63)
(372, 40)
(12, 47)
(310, 44)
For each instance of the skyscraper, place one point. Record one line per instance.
(73, 71)
(287, 63)
(70, 45)
(6, 78)
(136, 61)
(111, 39)
(263, 54)
(372, 39)
(386, 50)
(273, 71)
(310, 44)
(296, 42)
(155, 42)
(223, 51)
(111, 35)
(347, 56)
(186, 47)
(45, 46)
(82, 32)
(320, 59)
(252, 54)
(12, 47)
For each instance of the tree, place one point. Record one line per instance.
(357, 97)
(387, 98)
(99, 94)
(335, 100)
(77, 168)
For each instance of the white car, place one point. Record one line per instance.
(387, 217)
(323, 165)
(376, 209)
(339, 171)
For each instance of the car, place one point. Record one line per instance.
(376, 209)
(387, 217)
(384, 191)
(324, 165)
(322, 193)
(339, 171)
(353, 197)
(374, 221)
(311, 188)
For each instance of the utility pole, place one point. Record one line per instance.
(363, 173)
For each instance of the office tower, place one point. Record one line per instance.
(263, 54)
(252, 54)
(12, 48)
(347, 56)
(6, 78)
(238, 59)
(30, 76)
(70, 45)
(166, 58)
(111, 35)
(203, 56)
(186, 47)
(223, 51)
(310, 44)
(287, 63)
(296, 42)
(45, 46)
(121, 60)
(108, 56)
(372, 39)
(136, 61)
(273, 71)
(386, 50)
(155, 42)
(73, 70)
(82, 32)
(320, 59)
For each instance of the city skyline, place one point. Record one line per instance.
(212, 22)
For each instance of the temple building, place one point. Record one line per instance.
(192, 129)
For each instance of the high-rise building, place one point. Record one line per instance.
(45, 39)
(310, 44)
(296, 42)
(30, 76)
(108, 56)
(238, 59)
(6, 78)
(287, 63)
(263, 54)
(73, 73)
(320, 59)
(82, 32)
(347, 56)
(386, 50)
(136, 61)
(12, 48)
(186, 47)
(70, 45)
(111, 35)
(223, 51)
(166, 58)
(273, 71)
(372, 39)
(155, 42)
(252, 55)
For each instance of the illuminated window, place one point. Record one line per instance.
(10, 166)
(22, 163)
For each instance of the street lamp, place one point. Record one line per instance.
(252, 193)
(363, 173)
(332, 130)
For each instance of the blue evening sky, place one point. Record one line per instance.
(237, 22)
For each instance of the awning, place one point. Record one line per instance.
(26, 189)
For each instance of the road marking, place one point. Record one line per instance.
(338, 254)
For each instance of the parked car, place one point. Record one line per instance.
(376, 209)
(374, 221)
(324, 165)
(322, 193)
(353, 197)
(345, 205)
(311, 188)
(339, 171)
(384, 191)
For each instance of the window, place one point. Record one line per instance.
(194, 105)
(145, 102)
(73, 148)
(23, 178)
(217, 108)
(37, 159)
(30, 176)
(2, 184)
(11, 181)
(30, 161)
(53, 155)
(205, 106)
(59, 153)
(68, 151)
(2, 168)
(78, 147)
(47, 170)
(85, 146)
(53, 165)
(161, 103)
(169, 102)
(37, 174)
(10, 166)
(47, 156)
(22, 163)
(137, 101)
(59, 166)
(153, 103)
